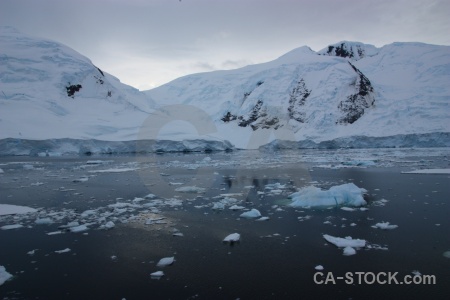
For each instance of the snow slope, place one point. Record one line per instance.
(53, 99)
(347, 90)
(48, 90)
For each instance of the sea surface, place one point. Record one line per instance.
(161, 206)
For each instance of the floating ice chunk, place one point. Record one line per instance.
(384, 225)
(63, 251)
(253, 213)
(32, 252)
(114, 170)
(157, 275)
(79, 228)
(348, 208)
(275, 186)
(416, 273)
(346, 194)
(69, 225)
(218, 206)
(319, 267)
(108, 225)
(4, 275)
(190, 189)
(345, 242)
(446, 254)
(37, 184)
(8, 209)
(231, 238)
(88, 213)
(13, 226)
(151, 221)
(150, 196)
(349, 251)
(1, 171)
(166, 261)
(263, 219)
(429, 171)
(81, 179)
(236, 207)
(54, 232)
(44, 221)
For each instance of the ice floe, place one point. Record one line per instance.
(345, 242)
(346, 194)
(349, 251)
(319, 267)
(253, 213)
(12, 226)
(231, 238)
(44, 221)
(190, 189)
(157, 275)
(384, 225)
(63, 251)
(429, 171)
(166, 261)
(8, 209)
(79, 228)
(4, 275)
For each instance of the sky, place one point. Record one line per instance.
(146, 43)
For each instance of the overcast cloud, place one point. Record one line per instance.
(146, 43)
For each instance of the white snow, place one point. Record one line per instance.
(63, 251)
(429, 171)
(44, 221)
(157, 275)
(79, 228)
(166, 261)
(181, 116)
(346, 194)
(8, 209)
(253, 213)
(114, 170)
(4, 275)
(234, 237)
(190, 189)
(349, 251)
(384, 225)
(12, 226)
(345, 242)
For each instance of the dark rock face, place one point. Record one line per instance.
(354, 106)
(297, 99)
(72, 89)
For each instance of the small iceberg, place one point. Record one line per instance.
(63, 251)
(4, 275)
(12, 226)
(345, 242)
(231, 238)
(253, 213)
(349, 251)
(79, 228)
(341, 195)
(190, 189)
(157, 275)
(166, 261)
(385, 226)
(9, 209)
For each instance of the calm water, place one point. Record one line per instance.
(275, 259)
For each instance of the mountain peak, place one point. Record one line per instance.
(351, 50)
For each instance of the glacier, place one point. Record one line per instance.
(55, 101)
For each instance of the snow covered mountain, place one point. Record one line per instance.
(348, 94)
(346, 90)
(48, 91)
